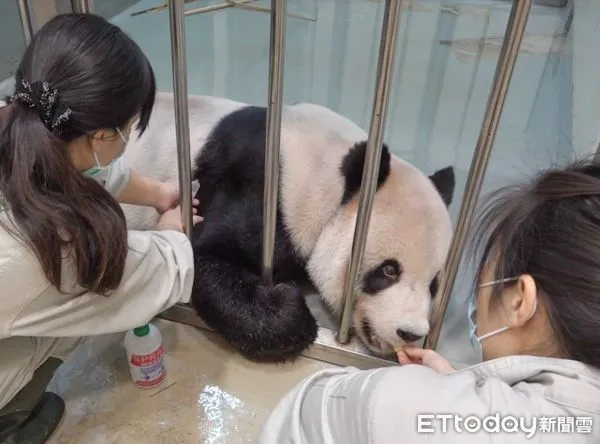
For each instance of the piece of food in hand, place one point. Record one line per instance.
(398, 348)
(195, 187)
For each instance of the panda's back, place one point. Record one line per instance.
(314, 141)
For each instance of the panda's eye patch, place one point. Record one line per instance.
(434, 286)
(384, 275)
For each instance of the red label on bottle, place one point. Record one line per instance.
(148, 360)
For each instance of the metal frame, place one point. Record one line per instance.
(241, 4)
(274, 108)
(327, 347)
(385, 63)
(26, 22)
(182, 117)
(507, 59)
(82, 6)
(33, 14)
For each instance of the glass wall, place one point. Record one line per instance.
(446, 59)
(11, 38)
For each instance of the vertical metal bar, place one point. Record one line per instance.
(273, 137)
(82, 6)
(182, 117)
(387, 52)
(515, 29)
(26, 22)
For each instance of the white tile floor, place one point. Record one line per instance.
(211, 396)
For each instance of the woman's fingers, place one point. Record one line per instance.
(403, 358)
(428, 358)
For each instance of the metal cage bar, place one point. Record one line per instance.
(182, 117)
(273, 136)
(387, 52)
(515, 29)
(26, 22)
(83, 6)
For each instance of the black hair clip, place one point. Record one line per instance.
(44, 99)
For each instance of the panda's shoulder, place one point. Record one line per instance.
(243, 122)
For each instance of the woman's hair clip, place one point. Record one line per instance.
(41, 97)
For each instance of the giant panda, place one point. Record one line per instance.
(322, 156)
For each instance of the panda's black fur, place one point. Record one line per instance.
(265, 323)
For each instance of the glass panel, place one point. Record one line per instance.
(228, 49)
(12, 46)
(547, 117)
(111, 8)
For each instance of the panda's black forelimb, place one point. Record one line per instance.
(266, 324)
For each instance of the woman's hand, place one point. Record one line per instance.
(429, 358)
(168, 198)
(171, 220)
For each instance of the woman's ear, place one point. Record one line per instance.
(522, 301)
(103, 135)
(101, 139)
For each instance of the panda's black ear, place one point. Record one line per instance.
(352, 169)
(444, 182)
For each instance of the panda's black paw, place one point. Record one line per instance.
(281, 326)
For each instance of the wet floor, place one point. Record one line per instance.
(211, 396)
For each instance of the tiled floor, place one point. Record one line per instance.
(212, 396)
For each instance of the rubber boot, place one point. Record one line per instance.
(38, 426)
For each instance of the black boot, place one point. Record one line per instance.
(38, 426)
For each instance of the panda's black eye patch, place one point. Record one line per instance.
(382, 276)
(434, 286)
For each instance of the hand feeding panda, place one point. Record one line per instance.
(321, 162)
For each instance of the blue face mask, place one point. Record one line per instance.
(99, 172)
(476, 340)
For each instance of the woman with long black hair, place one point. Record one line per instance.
(68, 265)
(535, 321)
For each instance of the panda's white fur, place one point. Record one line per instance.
(409, 222)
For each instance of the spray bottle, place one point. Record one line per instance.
(145, 356)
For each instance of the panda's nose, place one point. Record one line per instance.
(407, 336)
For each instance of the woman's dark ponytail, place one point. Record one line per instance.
(54, 209)
(78, 75)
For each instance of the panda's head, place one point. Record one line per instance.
(407, 243)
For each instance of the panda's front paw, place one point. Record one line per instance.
(283, 326)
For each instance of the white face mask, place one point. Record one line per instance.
(476, 340)
(99, 172)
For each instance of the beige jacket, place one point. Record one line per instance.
(37, 321)
(553, 401)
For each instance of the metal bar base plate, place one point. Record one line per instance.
(325, 348)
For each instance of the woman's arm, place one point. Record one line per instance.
(148, 192)
(142, 190)
(383, 406)
(159, 273)
(130, 187)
